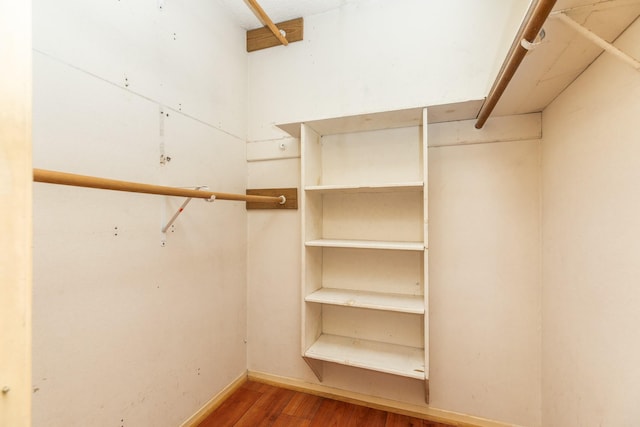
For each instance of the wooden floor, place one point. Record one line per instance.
(256, 404)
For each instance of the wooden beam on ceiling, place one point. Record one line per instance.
(262, 38)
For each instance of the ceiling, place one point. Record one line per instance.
(279, 10)
(546, 70)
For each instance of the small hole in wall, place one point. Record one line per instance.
(115, 231)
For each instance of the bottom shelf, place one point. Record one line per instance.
(377, 356)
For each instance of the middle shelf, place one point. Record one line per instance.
(366, 244)
(372, 300)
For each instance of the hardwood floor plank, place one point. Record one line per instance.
(256, 404)
(285, 420)
(332, 413)
(232, 409)
(366, 417)
(267, 409)
(303, 405)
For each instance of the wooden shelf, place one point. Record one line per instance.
(382, 357)
(389, 119)
(373, 300)
(376, 188)
(367, 244)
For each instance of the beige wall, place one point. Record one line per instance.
(591, 247)
(127, 331)
(484, 280)
(15, 214)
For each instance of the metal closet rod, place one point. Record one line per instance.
(63, 178)
(536, 16)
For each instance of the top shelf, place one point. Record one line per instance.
(388, 119)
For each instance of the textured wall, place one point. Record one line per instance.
(129, 332)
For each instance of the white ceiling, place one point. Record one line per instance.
(279, 10)
(546, 70)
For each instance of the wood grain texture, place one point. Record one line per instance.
(291, 194)
(261, 404)
(263, 38)
(437, 417)
(16, 253)
(264, 18)
(232, 409)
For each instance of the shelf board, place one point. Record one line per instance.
(373, 300)
(466, 110)
(377, 188)
(367, 244)
(377, 356)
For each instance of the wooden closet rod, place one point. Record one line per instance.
(63, 178)
(536, 16)
(262, 15)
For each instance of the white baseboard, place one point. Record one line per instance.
(388, 405)
(214, 402)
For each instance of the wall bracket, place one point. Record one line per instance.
(184, 205)
(290, 198)
(263, 38)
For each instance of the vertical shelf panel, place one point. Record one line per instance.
(425, 167)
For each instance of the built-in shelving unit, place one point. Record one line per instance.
(365, 240)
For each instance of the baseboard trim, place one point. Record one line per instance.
(214, 402)
(431, 414)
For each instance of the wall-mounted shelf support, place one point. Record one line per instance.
(263, 38)
(287, 198)
(184, 205)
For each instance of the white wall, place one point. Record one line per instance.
(378, 55)
(591, 205)
(128, 332)
(427, 57)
